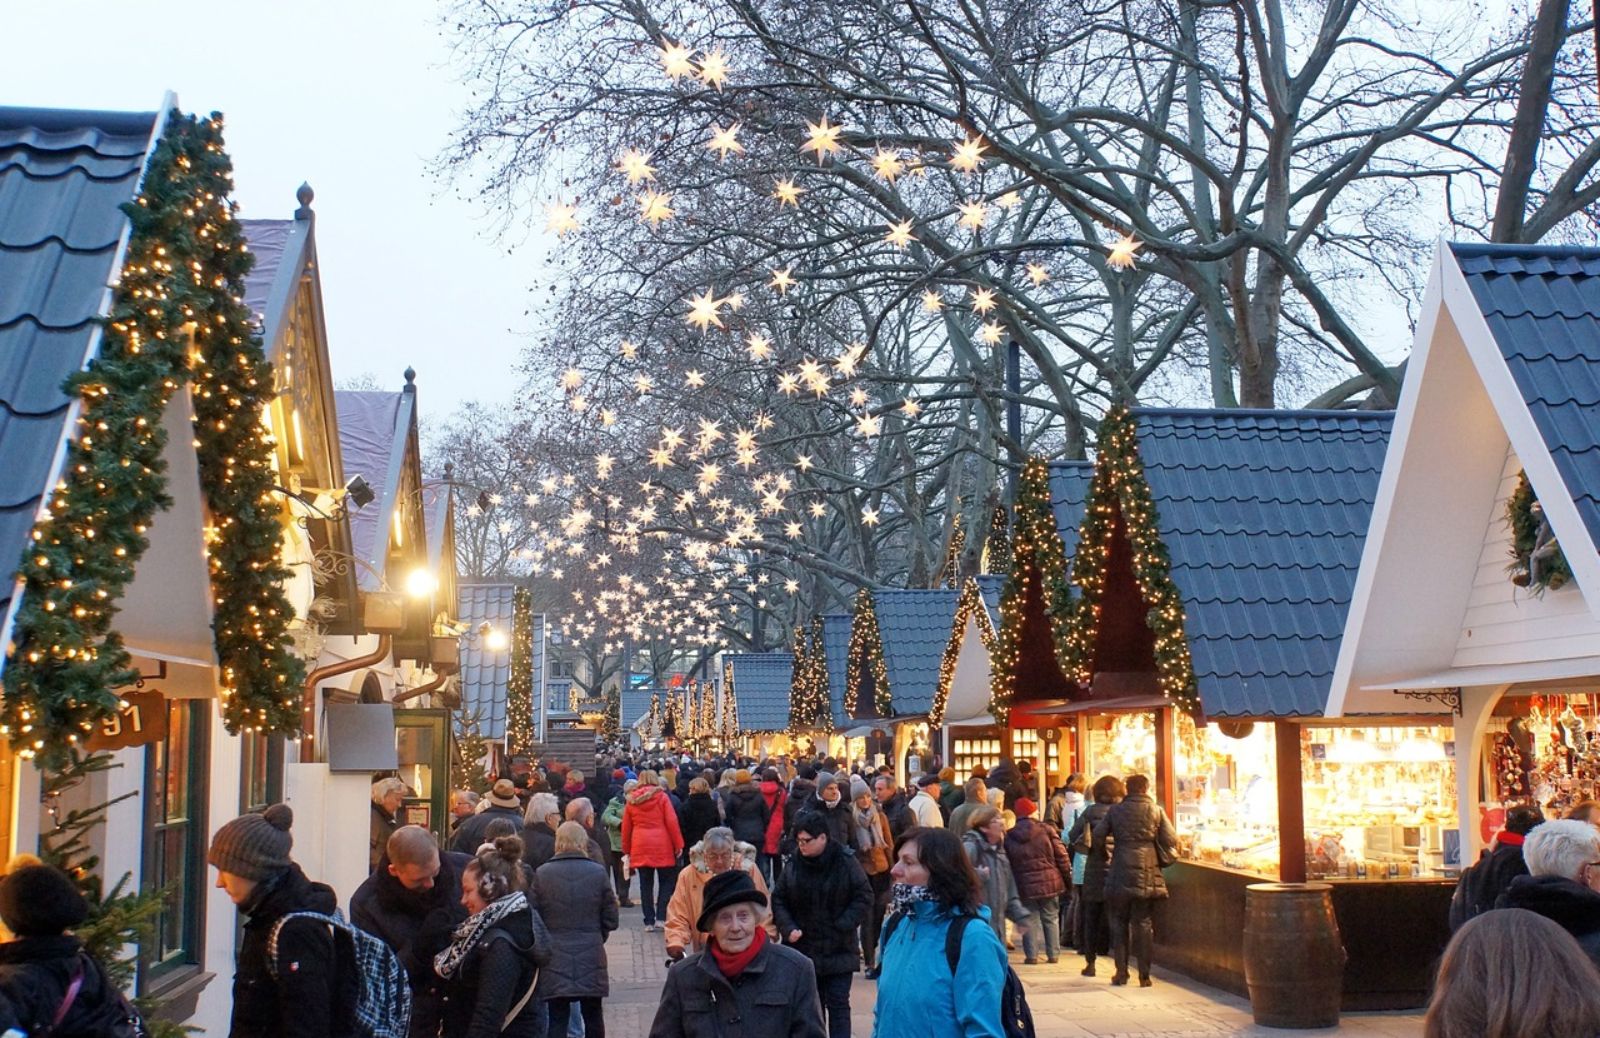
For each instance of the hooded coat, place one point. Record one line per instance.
(1135, 826)
(747, 814)
(650, 834)
(998, 886)
(1564, 901)
(417, 926)
(579, 910)
(493, 979)
(689, 898)
(611, 818)
(1039, 860)
(774, 997)
(310, 997)
(826, 898)
(35, 973)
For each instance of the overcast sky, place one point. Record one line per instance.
(355, 98)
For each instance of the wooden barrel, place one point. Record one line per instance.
(1293, 957)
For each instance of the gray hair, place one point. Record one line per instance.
(580, 810)
(540, 807)
(1561, 848)
(718, 838)
(383, 787)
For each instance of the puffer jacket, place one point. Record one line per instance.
(747, 814)
(493, 979)
(1134, 827)
(699, 814)
(777, 802)
(689, 898)
(998, 886)
(612, 819)
(579, 910)
(310, 997)
(1039, 860)
(917, 995)
(417, 925)
(774, 997)
(1090, 862)
(826, 898)
(35, 973)
(1564, 901)
(650, 834)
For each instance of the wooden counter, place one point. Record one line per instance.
(1394, 931)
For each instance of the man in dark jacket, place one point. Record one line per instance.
(742, 985)
(1482, 884)
(413, 904)
(307, 995)
(892, 803)
(747, 812)
(822, 897)
(539, 835)
(829, 802)
(388, 795)
(1563, 881)
(503, 803)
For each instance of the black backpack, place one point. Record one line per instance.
(1016, 1019)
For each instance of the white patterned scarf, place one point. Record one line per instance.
(473, 930)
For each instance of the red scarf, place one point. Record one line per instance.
(733, 964)
(1508, 839)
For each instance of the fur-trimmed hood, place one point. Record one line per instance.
(747, 856)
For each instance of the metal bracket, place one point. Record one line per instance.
(1450, 697)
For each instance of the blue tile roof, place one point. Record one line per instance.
(1542, 304)
(836, 649)
(63, 177)
(991, 586)
(1264, 514)
(761, 689)
(485, 673)
(915, 627)
(1069, 485)
(373, 427)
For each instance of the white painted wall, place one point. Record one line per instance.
(222, 793)
(332, 820)
(1507, 624)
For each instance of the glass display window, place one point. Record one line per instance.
(1378, 800)
(982, 748)
(1227, 802)
(1120, 745)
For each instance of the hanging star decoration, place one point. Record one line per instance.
(725, 142)
(787, 192)
(973, 215)
(887, 165)
(561, 219)
(759, 345)
(781, 281)
(655, 208)
(630, 349)
(992, 332)
(870, 516)
(983, 300)
(932, 301)
(900, 235)
(714, 69)
(869, 425)
(1124, 252)
(823, 138)
(1037, 274)
(911, 407)
(636, 166)
(705, 310)
(677, 60)
(694, 379)
(968, 155)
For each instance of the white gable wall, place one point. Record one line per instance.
(969, 685)
(1508, 624)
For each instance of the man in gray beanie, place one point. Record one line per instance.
(303, 994)
(829, 802)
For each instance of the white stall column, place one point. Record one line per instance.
(332, 823)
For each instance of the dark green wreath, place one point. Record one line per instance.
(1550, 570)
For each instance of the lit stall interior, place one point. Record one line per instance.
(1227, 805)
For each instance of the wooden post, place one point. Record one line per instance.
(1167, 758)
(1291, 804)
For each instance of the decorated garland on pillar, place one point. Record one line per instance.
(865, 656)
(519, 683)
(1119, 487)
(177, 316)
(1537, 561)
(1038, 562)
(809, 709)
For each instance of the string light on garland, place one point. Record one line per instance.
(519, 685)
(177, 317)
(1119, 491)
(864, 659)
(809, 708)
(1037, 583)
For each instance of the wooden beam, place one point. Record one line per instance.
(1291, 804)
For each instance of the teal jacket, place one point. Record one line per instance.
(612, 819)
(918, 997)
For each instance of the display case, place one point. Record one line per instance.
(1025, 745)
(982, 748)
(1227, 795)
(1119, 744)
(1378, 801)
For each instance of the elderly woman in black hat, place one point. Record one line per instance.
(743, 985)
(302, 995)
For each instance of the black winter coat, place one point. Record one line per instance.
(899, 815)
(35, 973)
(1039, 860)
(1564, 901)
(1097, 859)
(579, 910)
(826, 898)
(469, 835)
(699, 814)
(383, 827)
(801, 792)
(539, 844)
(841, 830)
(1481, 885)
(493, 979)
(311, 997)
(1006, 776)
(775, 997)
(417, 926)
(747, 814)
(1134, 827)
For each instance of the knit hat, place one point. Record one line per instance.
(504, 794)
(1024, 807)
(254, 846)
(724, 889)
(618, 775)
(858, 787)
(41, 901)
(824, 780)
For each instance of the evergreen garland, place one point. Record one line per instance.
(998, 548)
(1119, 489)
(611, 726)
(519, 683)
(865, 657)
(1553, 570)
(1038, 568)
(176, 314)
(809, 705)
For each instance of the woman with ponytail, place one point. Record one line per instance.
(492, 964)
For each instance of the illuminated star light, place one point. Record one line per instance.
(932, 302)
(635, 166)
(1123, 252)
(983, 300)
(561, 219)
(725, 142)
(714, 69)
(677, 60)
(911, 408)
(788, 384)
(630, 350)
(704, 310)
(642, 384)
(900, 235)
(992, 333)
(968, 155)
(869, 425)
(973, 215)
(781, 281)
(572, 378)
(869, 516)
(803, 462)
(1037, 274)
(818, 509)
(858, 397)
(655, 208)
(823, 138)
(887, 165)
(694, 379)
(787, 192)
(608, 417)
(759, 345)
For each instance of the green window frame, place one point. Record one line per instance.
(174, 842)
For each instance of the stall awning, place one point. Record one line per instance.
(981, 721)
(1501, 674)
(1095, 706)
(860, 731)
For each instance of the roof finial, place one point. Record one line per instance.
(411, 380)
(449, 470)
(304, 195)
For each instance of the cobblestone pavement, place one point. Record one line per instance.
(1065, 1005)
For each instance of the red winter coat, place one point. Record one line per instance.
(650, 834)
(774, 795)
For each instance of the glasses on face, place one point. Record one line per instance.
(806, 841)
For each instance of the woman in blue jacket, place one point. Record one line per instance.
(918, 992)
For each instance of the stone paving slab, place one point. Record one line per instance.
(1065, 1005)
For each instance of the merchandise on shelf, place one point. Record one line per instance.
(1545, 749)
(976, 751)
(1025, 746)
(1227, 809)
(1120, 745)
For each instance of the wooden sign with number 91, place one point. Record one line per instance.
(143, 720)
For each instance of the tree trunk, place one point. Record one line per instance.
(1533, 100)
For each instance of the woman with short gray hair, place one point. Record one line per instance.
(539, 828)
(388, 794)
